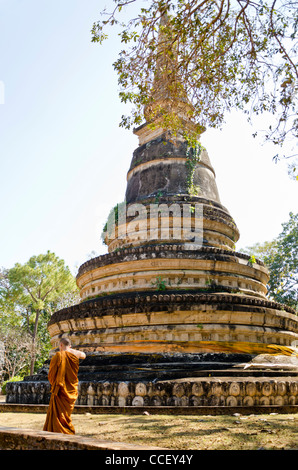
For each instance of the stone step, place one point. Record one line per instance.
(156, 410)
(27, 439)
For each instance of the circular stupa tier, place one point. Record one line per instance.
(168, 220)
(170, 267)
(174, 322)
(163, 167)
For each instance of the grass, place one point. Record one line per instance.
(223, 432)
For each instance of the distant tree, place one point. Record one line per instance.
(30, 292)
(17, 351)
(8, 316)
(220, 54)
(281, 258)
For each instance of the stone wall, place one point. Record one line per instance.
(224, 392)
(28, 392)
(199, 392)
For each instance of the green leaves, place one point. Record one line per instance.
(193, 157)
(222, 54)
(40, 280)
(28, 294)
(281, 258)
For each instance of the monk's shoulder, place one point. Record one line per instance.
(77, 354)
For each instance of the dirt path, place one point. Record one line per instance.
(236, 432)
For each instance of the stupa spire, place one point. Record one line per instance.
(168, 94)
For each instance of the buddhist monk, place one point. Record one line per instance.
(63, 377)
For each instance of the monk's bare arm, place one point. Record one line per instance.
(79, 354)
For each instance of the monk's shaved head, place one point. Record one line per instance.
(65, 342)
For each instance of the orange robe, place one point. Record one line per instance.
(63, 377)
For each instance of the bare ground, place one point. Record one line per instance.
(234, 432)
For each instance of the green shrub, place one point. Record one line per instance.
(16, 378)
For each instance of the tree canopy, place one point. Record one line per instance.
(220, 54)
(29, 293)
(281, 257)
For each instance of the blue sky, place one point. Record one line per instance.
(64, 157)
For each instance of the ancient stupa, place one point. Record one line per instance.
(172, 314)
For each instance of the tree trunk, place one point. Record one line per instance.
(33, 355)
